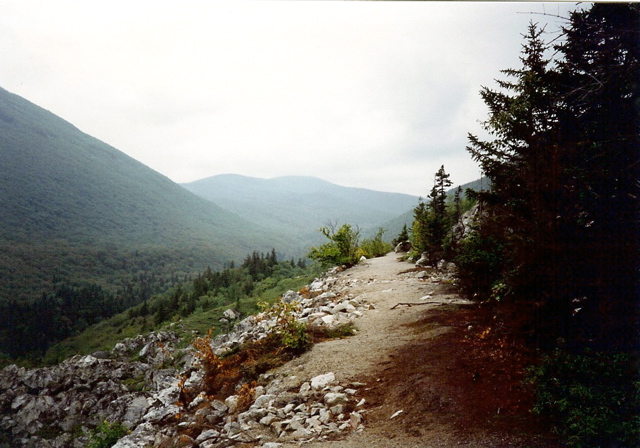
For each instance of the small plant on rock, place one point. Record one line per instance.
(106, 435)
(235, 372)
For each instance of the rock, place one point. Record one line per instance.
(404, 246)
(345, 307)
(142, 394)
(334, 398)
(207, 435)
(328, 320)
(316, 285)
(231, 314)
(291, 296)
(355, 420)
(263, 401)
(321, 381)
(136, 409)
(423, 260)
(232, 403)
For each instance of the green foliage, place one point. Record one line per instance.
(291, 332)
(106, 435)
(375, 247)
(342, 248)
(31, 328)
(562, 161)
(75, 209)
(402, 236)
(432, 221)
(593, 399)
(480, 260)
(211, 293)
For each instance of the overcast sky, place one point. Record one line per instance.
(366, 94)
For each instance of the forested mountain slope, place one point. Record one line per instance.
(299, 205)
(73, 207)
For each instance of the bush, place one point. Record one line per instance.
(342, 248)
(593, 399)
(480, 263)
(106, 435)
(239, 367)
(375, 247)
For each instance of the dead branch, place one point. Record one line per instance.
(410, 304)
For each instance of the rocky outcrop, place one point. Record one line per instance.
(139, 384)
(404, 246)
(55, 406)
(464, 226)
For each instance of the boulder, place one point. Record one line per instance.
(321, 381)
(404, 246)
(423, 260)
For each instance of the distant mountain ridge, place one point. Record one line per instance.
(74, 207)
(300, 205)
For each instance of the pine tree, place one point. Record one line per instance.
(432, 222)
(522, 164)
(600, 125)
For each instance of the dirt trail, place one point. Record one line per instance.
(411, 360)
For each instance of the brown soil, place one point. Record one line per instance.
(453, 368)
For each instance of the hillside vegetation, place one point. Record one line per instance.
(74, 208)
(194, 305)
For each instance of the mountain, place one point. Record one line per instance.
(299, 206)
(73, 207)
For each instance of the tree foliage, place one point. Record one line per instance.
(559, 227)
(564, 175)
(433, 220)
(342, 247)
(376, 246)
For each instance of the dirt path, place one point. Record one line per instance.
(414, 363)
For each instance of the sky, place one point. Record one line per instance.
(374, 95)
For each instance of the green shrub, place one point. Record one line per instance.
(375, 247)
(593, 399)
(342, 248)
(106, 435)
(480, 262)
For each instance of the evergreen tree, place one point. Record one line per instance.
(402, 236)
(522, 164)
(432, 222)
(600, 126)
(562, 211)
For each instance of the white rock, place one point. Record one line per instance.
(305, 389)
(355, 420)
(333, 398)
(232, 403)
(322, 381)
(206, 435)
(325, 416)
(344, 307)
(328, 320)
(264, 401)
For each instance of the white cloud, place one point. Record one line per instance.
(369, 94)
